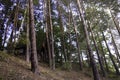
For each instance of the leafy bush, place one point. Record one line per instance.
(67, 66)
(88, 74)
(22, 40)
(1, 78)
(3, 56)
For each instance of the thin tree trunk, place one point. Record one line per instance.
(47, 36)
(34, 60)
(107, 68)
(110, 54)
(5, 35)
(97, 51)
(13, 33)
(77, 40)
(27, 36)
(94, 67)
(2, 46)
(116, 25)
(15, 22)
(62, 33)
(50, 33)
(69, 49)
(115, 46)
(6, 30)
(88, 59)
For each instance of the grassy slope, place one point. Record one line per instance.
(12, 68)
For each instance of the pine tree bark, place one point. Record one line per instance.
(34, 60)
(62, 35)
(116, 25)
(77, 41)
(94, 67)
(27, 36)
(115, 46)
(12, 38)
(110, 54)
(15, 22)
(47, 35)
(97, 51)
(105, 61)
(6, 29)
(50, 33)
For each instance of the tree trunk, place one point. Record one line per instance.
(97, 51)
(6, 29)
(12, 38)
(94, 67)
(34, 60)
(116, 25)
(50, 33)
(107, 68)
(77, 41)
(62, 33)
(15, 22)
(27, 36)
(110, 54)
(115, 46)
(47, 36)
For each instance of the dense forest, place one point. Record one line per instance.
(64, 35)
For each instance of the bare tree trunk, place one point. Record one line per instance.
(110, 54)
(2, 45)
(97, 51)
(88, 59)
(116, 25)
(77, 40)
(94, 67)
(27, 36)
(34, 60)
(115, 46)
(50, 33)
(5, 35)
(69, 58)
(16, 21)
(6, 30)
(62, 33)
(12, 38)
(107, 68)
(47, 35)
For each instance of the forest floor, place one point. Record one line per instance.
(13, 68)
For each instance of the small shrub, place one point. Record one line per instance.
(1, 78)
(67, 66)
(88, 74)
(3, 56)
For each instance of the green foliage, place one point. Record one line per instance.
(1, 78)
(35, 2)
(67, 66)
(65, 2)
(112, 76)
(22, 40)
(3, 56)
(88, 74)
(40, 36)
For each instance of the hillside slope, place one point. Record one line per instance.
(12, 68)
